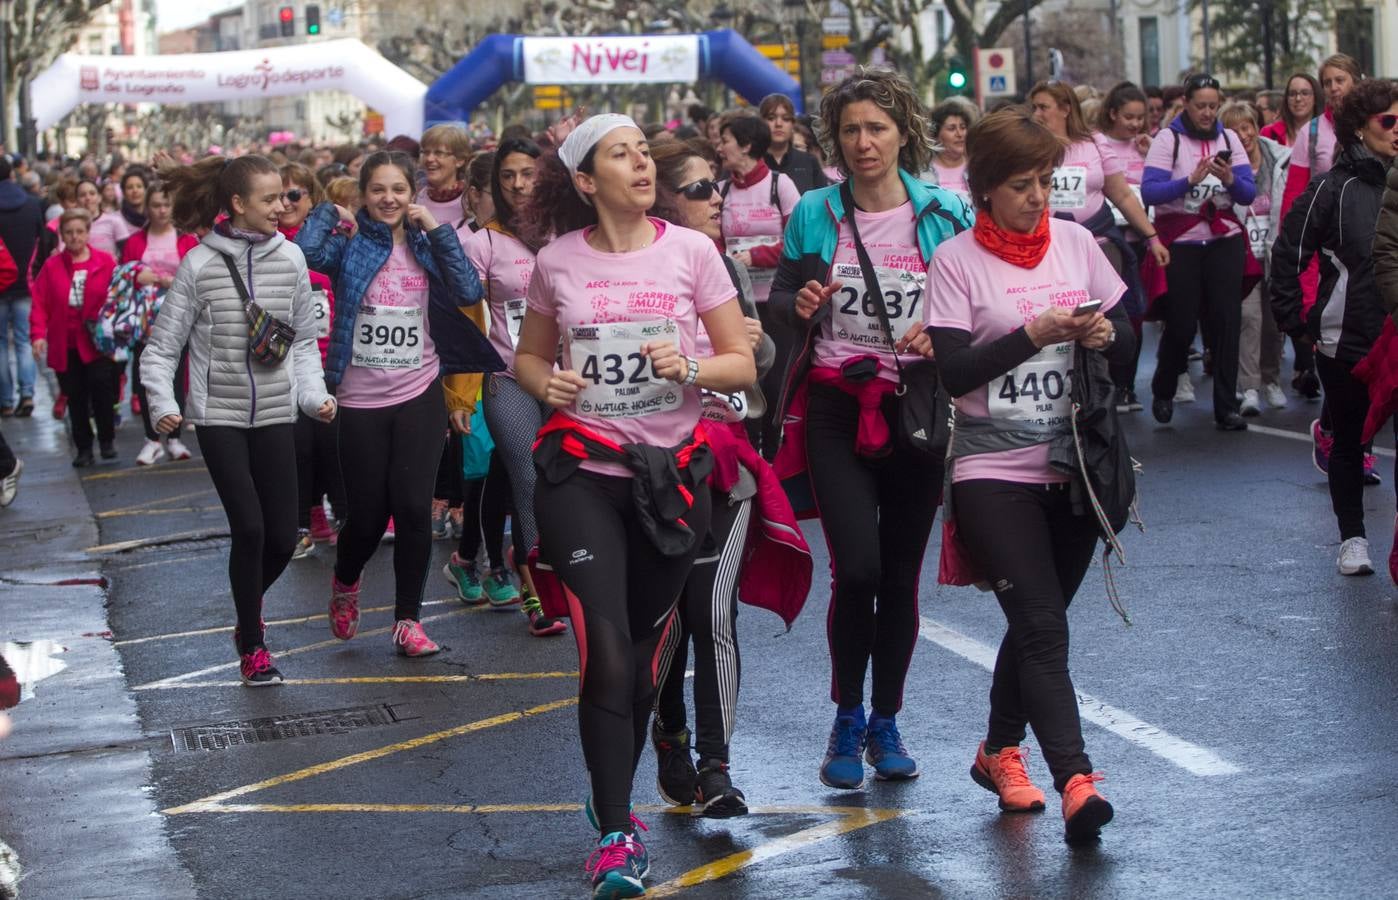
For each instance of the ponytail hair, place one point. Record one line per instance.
(554, 208)
(200, 192)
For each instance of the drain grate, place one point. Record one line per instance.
(226, 735)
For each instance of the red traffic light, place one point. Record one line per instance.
(287, 14)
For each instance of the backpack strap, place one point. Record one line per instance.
(1314, 133)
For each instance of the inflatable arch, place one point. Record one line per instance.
(346, 65)
(605, 59)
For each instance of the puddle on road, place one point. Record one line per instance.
(32, 662)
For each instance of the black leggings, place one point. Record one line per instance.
(92, 394)
(708, 614)
(514, 418)
(483, 511)
(1211, 274)
(1025, 537)
(389, 460)
(139, 389)
(623, 594)
(317, 468)
(254, 472)
(1347, 400)
(765, 433)
(877, 515)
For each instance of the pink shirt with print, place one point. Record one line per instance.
(505, 267)
(972, 289)
(1096, 160)
(402, 282)
(748, 213)
(162, 252)
(678, 277)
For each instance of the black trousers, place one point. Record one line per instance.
(92, 394)
(623, 599)
(254, 472)
(1026, 538)
(765, 433)
(1347, 399)
(389, 460)
(1210, 274)
(139, 389)
(877, 515)
(317, 468)
(7, 458)
(483, 511)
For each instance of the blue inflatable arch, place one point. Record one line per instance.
(499, 59)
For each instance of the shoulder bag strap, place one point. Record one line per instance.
(237, 278)
(871, 281)
(1314, 135)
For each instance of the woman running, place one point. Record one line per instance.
(67, 295)
(625, 293)
(1003, 315)
(159, 248)
(399, 285)
(245, 408)
(1196, 172)
(949, 121)
(687, 196)
(876, 494)
(1337, 216)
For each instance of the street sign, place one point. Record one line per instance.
(834, 41)
(832, 59)
(995, 73)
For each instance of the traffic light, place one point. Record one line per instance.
(313, 19)
(957, 79)
(287, 17)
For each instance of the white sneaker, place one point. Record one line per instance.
(1252, 404)
(9, 485)
(1184, 390)
(150, 454)
(1354, 557)
(1274, 395)
(176, 449)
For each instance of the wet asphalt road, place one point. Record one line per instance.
(1244, 722)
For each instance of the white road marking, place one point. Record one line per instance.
(1191, 757)
(1304, 437)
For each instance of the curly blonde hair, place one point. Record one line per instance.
(893, 94)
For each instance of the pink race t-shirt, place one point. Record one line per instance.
(110, 230)
(853, 329)
(505, 267)
(750, 220)
(1132, 160)
(162, 252)
(1077, 183)
(953, 178)
(392, 358)
(607, 305)
(972, 289)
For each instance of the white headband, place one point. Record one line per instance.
(582, 139)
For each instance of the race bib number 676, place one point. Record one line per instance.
(621, 381)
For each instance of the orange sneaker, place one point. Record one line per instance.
(1084, 810)
(1005, 774)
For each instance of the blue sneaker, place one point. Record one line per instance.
(842, 768)
(501, 590)
(617, 866)
(463, 576)
(886, 753)
(636, 825)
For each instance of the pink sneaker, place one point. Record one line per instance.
(411, 640)
(344, 609)
(321, 532)
(258, 669)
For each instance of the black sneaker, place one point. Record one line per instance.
(109, 451)
(1307, 384)
(676, 778)
(83, 459)
(716, 795)
(1133, 403)
(1231, 422)
(1163, 409)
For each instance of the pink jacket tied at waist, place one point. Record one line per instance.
(1379, 370)
(777, 566)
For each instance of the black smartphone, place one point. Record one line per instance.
(1224, 156)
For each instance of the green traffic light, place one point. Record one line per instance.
(315, 29)
(957, 80)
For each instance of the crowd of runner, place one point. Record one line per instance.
(648, 350)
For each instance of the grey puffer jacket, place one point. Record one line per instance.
(227, 386)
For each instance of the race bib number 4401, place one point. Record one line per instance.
(388, 337)
(855, 312)
(1037, 390)
(621, 382)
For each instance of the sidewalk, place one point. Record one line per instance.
(74, 776)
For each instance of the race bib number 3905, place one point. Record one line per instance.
(1037, 390)
(621, 383)
(855, 313)
(388, 337)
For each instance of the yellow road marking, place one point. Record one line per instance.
(162, 500)
(372, 679)
(319, 645)
(851, 820)
(456, 808)
(228, 629)
(201, 534)
(212, 803)
(173, 468)
(118, 513)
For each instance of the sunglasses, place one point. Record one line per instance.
(702, 189)
(295, 194)
(1199, 82)
(1386, 120)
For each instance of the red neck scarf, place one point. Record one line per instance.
(758, 173)
(1023, 250)
(446, 194)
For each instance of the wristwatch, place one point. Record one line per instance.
(693, 374)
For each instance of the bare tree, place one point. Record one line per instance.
(36, 32)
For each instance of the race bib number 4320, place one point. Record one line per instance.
(388, 337)
(855, 312)
(621, 382)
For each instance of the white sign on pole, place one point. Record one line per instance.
(995, 73)
(611, 59)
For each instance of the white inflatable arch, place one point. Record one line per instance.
(346, 65)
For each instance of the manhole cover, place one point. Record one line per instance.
(225, 735)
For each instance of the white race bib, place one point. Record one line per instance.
(75, 290)
(739, 244)
(724, 407)
(388, 337)
(621, 382)
(1202, 194)
(1121, 219)
(1037, 390)
(855, 314)
(320, 306)
(1259, 231)
(514, 319)
(1069, 188)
